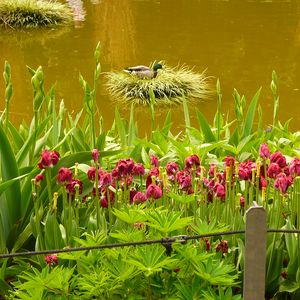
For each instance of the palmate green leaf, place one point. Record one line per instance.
(215, 272)
(10, 202)
(223, 294)
(189, 291)
(250, 114)
(205, 127)
(167, 221)
(204, 227)
(131, 214)
(150, 259)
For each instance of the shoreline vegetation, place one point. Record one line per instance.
(66, 182)
(32, 13)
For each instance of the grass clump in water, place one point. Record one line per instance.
(170, 86)
(33, 13)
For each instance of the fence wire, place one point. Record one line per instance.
(166, 242)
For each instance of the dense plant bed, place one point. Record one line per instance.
(33, 13)
(57, 192)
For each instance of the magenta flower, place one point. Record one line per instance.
(153, 191)
(103, 202)
(212, 168)
(64, 176)
(138, 170)
(171, 168)
(48, 159)
(282, 182)
(242, 202)
(245, 170)
(273, 170)
(70, 187)
(95, 155)
(125, 166)
(219, 190)
(105, 179)
(262, 182)
(223, 246)
(51, 260)
(264, 151)
(154, 161)
(139, 197)
(229, 162)
(91, 174)
(278, 158)
(39, 178)
(153, 172)
(184, 180)
(192, 162)
(295, 167)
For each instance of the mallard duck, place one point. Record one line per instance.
(143, 71)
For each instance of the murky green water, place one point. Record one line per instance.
(240, 42)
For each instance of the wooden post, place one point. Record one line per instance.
(255, 253)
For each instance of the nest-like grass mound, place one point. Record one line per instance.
(33, 13)
(170, 86)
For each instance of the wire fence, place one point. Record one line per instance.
(166, 242)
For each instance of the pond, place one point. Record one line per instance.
(239, 42)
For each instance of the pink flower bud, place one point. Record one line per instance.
(295, 167)
(154, 191)
(139, 197)
(219, 190)
(48, 159)
(64, 176)
(223, 246)
(282, 182)
(95, 155)
(264, 151)
(154, 161)
(70, 187)
(192, 162)
(171, 168)
(138, 170)
(39, 178)
(51, 260)
(278, 158)
(273, 170)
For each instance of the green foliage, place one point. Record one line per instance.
(31, 13)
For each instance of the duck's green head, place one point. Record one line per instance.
(156, 67)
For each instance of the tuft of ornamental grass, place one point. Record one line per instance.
(170, 86)
(33, 13)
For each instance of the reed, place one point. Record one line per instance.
(32, 13)
(171, 85)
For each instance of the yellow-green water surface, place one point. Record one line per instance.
(240, 42)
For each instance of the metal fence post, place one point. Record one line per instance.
(255, 253)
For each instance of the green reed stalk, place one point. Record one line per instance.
(37, 82)
(219, 100)
(8, 92)
(274, 84)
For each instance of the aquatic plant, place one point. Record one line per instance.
(32, 13)
(170, 86)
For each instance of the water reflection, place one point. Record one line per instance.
(78, 12)
(240, 42)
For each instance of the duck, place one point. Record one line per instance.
(144, 72)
